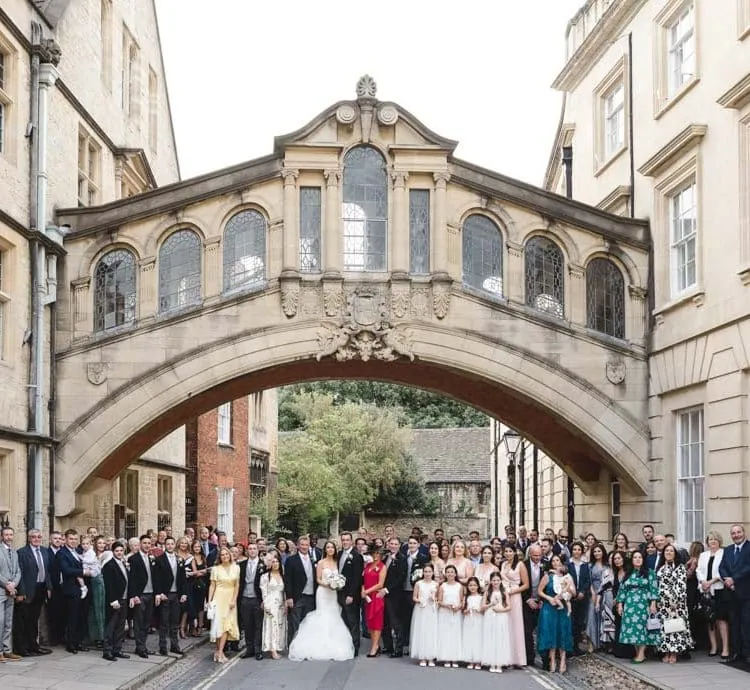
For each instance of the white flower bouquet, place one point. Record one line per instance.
(417, 575)
(336, 581)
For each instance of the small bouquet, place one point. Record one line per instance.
(336, 581)
(416, 575)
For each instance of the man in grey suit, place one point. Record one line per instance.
(10, 576)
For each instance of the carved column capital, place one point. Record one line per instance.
(441, 179)
(290, 176)
(333, 177)
(637, 293)
(399, 178)
(82, 283)
(514, 249)
(575, 271)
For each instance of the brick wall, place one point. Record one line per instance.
(223, 467)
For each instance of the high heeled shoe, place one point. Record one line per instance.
(372, 656)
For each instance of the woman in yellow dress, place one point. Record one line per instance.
(225, 584)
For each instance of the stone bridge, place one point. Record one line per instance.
(360, 248)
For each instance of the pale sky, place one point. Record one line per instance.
(243, 71)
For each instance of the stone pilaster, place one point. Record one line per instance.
(576, 308)
(212, 263)
(83, 317)
(290, 254)
(399, 239)
(332, 231)
(148, 287)
(514, 275)
(636, 317)
(440, 260)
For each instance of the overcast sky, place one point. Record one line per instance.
(243, 71)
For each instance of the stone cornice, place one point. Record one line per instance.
(88, 220)
(685, 140)
(607, 30)
(14, 224)
(631, 232)
(622, 191)
(738, 95)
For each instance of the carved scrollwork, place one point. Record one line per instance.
(400, 303)
(387, 115)
(346, 114)
(441, 299)
(332, 299)
(290, 296)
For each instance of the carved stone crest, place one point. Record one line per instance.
(364, 332)
(441, 299)
(96, 372)
(400, 301)
(290, 298)
(615, 370)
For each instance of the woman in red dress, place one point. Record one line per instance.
(373, 581)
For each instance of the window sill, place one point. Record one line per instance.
(615, 156)
(668, 103)
(696, 295)
(228, 446)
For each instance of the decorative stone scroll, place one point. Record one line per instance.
(290, 297)
(364, 331)
(441, 298)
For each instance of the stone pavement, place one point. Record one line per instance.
(701, 671)
(87, 670)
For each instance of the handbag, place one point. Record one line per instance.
(211, 611)
(674, 625)
(653, 624)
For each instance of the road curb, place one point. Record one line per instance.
(631, 671)
(158, 669)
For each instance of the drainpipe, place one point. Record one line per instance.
(51, 413)
(567, 161)
(631, 141)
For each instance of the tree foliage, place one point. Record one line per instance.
(406, 495)
(414, 407)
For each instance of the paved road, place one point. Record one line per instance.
(358, 674)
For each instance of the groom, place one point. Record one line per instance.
(351, 566)
(300, 583)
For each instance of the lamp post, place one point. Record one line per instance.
(511, 439)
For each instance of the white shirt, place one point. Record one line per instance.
(344, 556)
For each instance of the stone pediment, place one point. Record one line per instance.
(369, 119)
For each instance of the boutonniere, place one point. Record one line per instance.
(349, 558)
(180, 562)
(151, 559)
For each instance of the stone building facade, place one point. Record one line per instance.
(84, 119)
(657, 112)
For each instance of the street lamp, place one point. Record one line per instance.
(512, 440)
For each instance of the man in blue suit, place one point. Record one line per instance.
(71, 568)
(735, 569)
(579, 571)
(35, 563)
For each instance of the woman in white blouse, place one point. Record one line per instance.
(711, 585)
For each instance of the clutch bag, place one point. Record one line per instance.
(653, 624)
(674, 625)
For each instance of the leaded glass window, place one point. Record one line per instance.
(180, 271)
(419, 231)
(482, 255)
(244, 250)
(545, 289)
(365, 210)
(114, 290)
(605, 298)
(309, 229)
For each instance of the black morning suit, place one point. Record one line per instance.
(115, 590)
(56, 603)
(352, 569)
(169, 609)
(531, 617)
(295, 580)
(251, 609)
(393, 637)
(737, 566)
(26, 613)
(141, 612)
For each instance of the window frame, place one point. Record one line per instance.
(130, 73)
(615, 507)
(693, 479)
(531, 296)
(616, 77)
(117, 286)
(224, 424)
(5, 300)
(743, 19)
(196, 289)
(621, 333)
(131, 512)
(8, 95)
(106, 27)
(424, 266)
(485, 224)
(260, 228)
(164, 494)
(89, 169)
(153, 109)
(675, 245)
(225, 511)
(310, 218)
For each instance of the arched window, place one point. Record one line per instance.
(244, 250)
(114, 290)
(482, 255)
(605, 298)
(179, 271)
(545, 288)
(365, 210)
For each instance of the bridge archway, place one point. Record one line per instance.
(567, 417)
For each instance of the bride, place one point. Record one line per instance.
(322, 634)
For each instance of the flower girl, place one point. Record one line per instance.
(472, 641)
(450, 603)
(496, 646)
(423, 644)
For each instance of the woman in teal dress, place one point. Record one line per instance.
(555, 630)
(636, 601)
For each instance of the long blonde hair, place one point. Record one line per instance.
(221, 551)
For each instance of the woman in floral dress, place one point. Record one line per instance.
(672, 579)
(636, 601)
(274, 608)
(600, 618)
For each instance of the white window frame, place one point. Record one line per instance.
(615, 506)
(677, 51)
(681, 50)
(691, 474)
(614, 119)
(224, 424)
(225, 511)
(680, 242)
(89, 169)
(7, 89)
(5, 300)
(606, 112)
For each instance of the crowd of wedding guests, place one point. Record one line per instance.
(442, 600)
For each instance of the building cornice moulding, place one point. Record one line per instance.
(619, 193)
(738, 95)
(607, 30)
(684, 141)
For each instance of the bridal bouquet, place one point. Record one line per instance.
(336, 581)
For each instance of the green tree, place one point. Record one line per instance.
(406, 495)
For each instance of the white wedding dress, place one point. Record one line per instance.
(323, 634)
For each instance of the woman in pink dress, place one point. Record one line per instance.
(516, 581)
(464, 567)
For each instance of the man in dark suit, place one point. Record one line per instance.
(560, 547)
(141, 593)
(300, 583)
(735, 569)
(56, 600)
(315, 552)
(210, 550)
(532, 605)
(351, 566)
(115, 574)
(415, 561)
(34, 561)
(250, 602)
(393, 637)
(71, 569)
(171, 591)
(581, 574)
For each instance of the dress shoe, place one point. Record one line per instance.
(396, 655)
(247, 655)
(177, 650)
(109, 657)
(24, 654)
(43, 651)
(82, 648)
(142, 654)
(122, 655)
(259, 656)
(12, 657)
(2, 658)
(71, 650)
(163, 652)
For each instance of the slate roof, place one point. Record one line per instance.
(454, 456)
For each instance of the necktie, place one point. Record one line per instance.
(736, 550)
(40, 565)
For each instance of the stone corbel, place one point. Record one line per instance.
(441, 295)
(290, 294)
(333, 296)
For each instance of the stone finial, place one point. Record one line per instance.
(366, 87)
